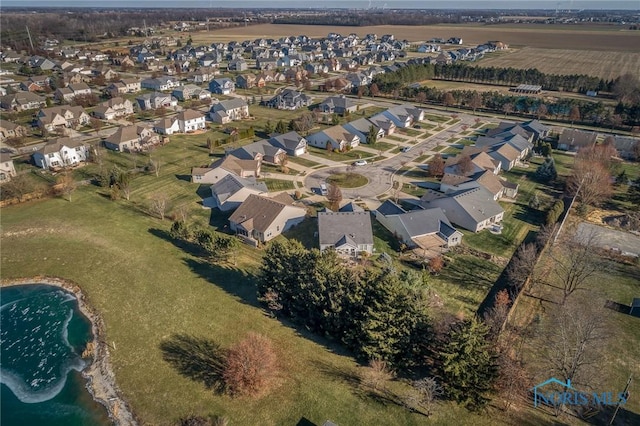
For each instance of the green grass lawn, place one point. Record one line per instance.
(278, 184)
(410, 132)
(340, 156)
(413, 190)
(451, 150)
(348, 180)
(395, 138)
(303, 161)
(382, 146)
(437, 118)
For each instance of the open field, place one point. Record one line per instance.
(583, 37)
(604, 64)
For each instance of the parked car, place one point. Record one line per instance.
(360, 163)
(323, 189)
(406, 149)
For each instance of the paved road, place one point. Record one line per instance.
(608, 238)
(382, 173)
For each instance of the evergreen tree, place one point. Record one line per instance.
(546, 172)
(268, 128)
(468, 363)
(281, 127)
(372, 135)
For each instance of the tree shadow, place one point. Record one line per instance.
(196, 358)
(235, 281)
(186, 178)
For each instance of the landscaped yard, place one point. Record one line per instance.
(382, 146)
(347, 180)
(278, 184)
(340, 156)
(303, 161)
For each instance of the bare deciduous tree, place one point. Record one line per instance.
(436, 166)
(159, 204)
(465, 165)
(575, 262)
(377, 374)
(250, 365)
(574, 338)
(334, 196)
(66, 185)
(522, 264)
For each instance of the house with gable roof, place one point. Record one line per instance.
(361, 126)
(113, 108)
(337, 137)
(190, 120)
(62, 117)
(292, 143)
(260, 219)
(404, 116)
(7, 169)
(231, 191)
(260, 150)
(473, 209)
(60, 153)
(348, 233)
(427, 229)
(230, 110)
(222, 86)
(131, 138)
(338, 105)
(574, 139)
(225, 166)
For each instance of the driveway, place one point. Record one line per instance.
(608, 238)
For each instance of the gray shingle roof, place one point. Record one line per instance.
(352, 227)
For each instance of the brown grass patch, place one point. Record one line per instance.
(607, 65)
(579, 37)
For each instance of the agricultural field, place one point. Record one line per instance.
(582, 37)
(565, 61)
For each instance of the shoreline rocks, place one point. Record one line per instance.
(99, 374)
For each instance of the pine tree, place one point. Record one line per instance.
(281, 127)
(468, 363)
(546, 172)
(372, 136)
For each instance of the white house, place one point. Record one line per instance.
(60, 153)
(190, 120)
(337, 137)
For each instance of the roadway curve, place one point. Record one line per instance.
(381, 173)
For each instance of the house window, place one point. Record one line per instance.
(278, 228)
(51, 155)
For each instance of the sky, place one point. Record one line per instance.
(360, 4)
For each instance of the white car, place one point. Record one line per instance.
(360, 163)
(406, 149)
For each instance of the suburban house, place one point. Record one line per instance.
(348, 233)
(22, 101)
(361, 127)
(125, 85)
(10, 130)
(427, 229)
(7, 169)
(238, 64)
(574, 139)
(336, 137)
(472, 209)
(61, 117)
(517, 141)
(289, 99)
(383, 122)
(627, 147)
(160, 83)
(60, 153)
(246, 81)
(167, 126)
(131, 138)
(204, 74)
(113, 108)
(292, 143)
(225, 166)
(260, 219)
(190, 91)
(67, 94)
(404, 115)
(262, 151)
(507, 155)
(190, 120)
(156, 100)
(498, 187)
(230, 110)
(480, 161)
(231, 191)
(339, 105)
(222, 86)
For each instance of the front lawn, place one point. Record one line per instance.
(278, 184)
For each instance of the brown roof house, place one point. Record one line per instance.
(260, 219)
(226, 166)
(337, 137)
(113, 108)
(231, 191)
(61, 117)
(11, 130)
(131, 138)
(574, 139)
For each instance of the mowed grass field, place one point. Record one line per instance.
(573, 37)
(604, 64)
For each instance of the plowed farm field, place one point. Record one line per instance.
(603, 64)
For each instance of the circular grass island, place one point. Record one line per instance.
(348, 180)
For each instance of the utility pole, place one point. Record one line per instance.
(30, 41)
(625, 392)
